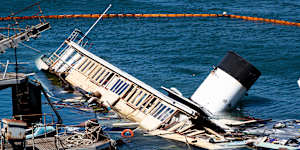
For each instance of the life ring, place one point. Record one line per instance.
(127, 133)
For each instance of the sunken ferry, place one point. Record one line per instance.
(191, 120)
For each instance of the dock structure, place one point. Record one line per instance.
(10, 79)
(51, 143)
(12, 41)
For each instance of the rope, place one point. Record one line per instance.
(37, 3)
(275, 21)
(79, 139)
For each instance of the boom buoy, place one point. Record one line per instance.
(127, 133)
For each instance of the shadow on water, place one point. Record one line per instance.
(247, 102)
(53, 79)
(255, 101)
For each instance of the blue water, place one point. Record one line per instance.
(177, 52)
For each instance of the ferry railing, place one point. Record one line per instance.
(75, 36)
(53, 57)
(33, 115)
(83, 41)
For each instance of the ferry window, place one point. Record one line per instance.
(132, 94)
(117, 91)
(141, 99)
(145, 102)
(159, 111)
(163, 113)
(114, 79)
(167, 114)
(115, 84)
(157, 107)
(78, 57)
(123, 89)
(84, 61)
(129, 90)
(108, 78)
(96, 73)
(92, 70)
(151, 103)
(88, 66)
(100, 75)
(140, 93)
(85, 66)
(60, 66)
(70, 56)
(118, 85)
(104, 77)
(91, 67)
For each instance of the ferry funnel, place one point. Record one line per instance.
(226, 84)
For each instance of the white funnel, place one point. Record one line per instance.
(226, 84)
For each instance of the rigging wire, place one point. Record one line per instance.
(34, 49)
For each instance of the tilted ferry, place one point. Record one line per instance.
(173, 116)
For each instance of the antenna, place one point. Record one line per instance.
(95, 23)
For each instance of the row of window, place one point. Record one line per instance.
(128, 91)
(103, 76)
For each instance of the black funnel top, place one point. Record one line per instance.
(240, 69)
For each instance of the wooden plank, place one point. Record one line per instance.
(176, 126)
(196, 132)
(214, 133)
(185, 128)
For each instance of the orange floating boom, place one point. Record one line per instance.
(282, 22)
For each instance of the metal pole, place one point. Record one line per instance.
(45, 125)
(59, 120)
(94, 23)
(33, 146)
(7, 62)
